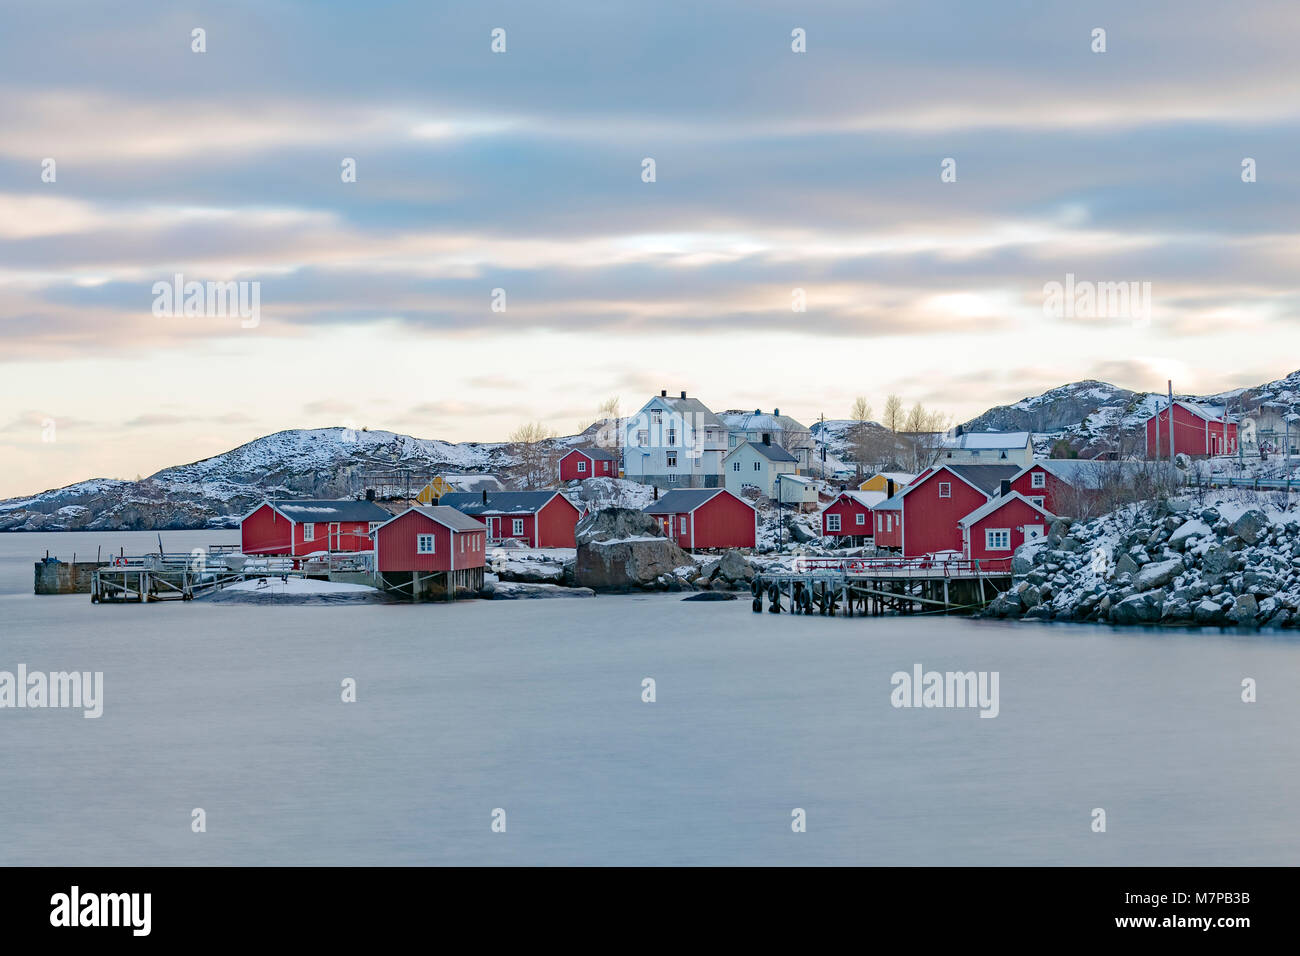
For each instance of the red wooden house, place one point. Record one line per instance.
(850, 515)
(1198, 431)
(540, 519)
(710, 518)
(1002, 524)
(588, 463)
(934, 504)
(306, 526)
(428, 549)
(888, 516)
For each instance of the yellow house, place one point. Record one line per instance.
(446, 484)
(880, 481)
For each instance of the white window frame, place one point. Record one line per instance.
(1037, 500)
(862, 519)
(758, 466)
(945, 489)
(832, 523)
(1038, 479)
(670, 459)
(374, 525)
(735, 466)
(426, 544)
(681, 525)
(990, 542)
(582, 465)
(516, 527)
(309, 531)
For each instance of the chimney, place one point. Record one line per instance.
(889, 487)
(370, 494)
(485, 497)
(776, 411)
(1004, 487)
(958, 431)
(663, 393)
(758, 411)
(683, 393)
(655, 496)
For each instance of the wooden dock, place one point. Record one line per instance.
(187, 575)
(873, 586)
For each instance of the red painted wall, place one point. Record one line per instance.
(1193, 435)
(350, 536)
(888, 534)
(396, 547)
(1014, 514)
(931, 521)
(556, 522)
(1052, 494)
(848, 510)
(595, 468)
(504, 524)
(724, 521)
(264, 532)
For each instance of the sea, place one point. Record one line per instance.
(629, 730)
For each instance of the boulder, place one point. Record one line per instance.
(1208, 612)
(1244, 611)
(1126, 565)
(1250, 527)
(1196, 528)
(621, 564)
(1218, 560)
(1157, 574)
(1139, 609)
(733, 569)
(711, 596)
(513, 591)
(611, 524)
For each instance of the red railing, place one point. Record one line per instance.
(929, 565)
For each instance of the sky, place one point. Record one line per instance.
(778, 175)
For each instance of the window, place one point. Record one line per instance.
(974, 453)
(672, 479)
(832, 522)
(582, 465)
(1038, 479)
(374, 525)
(1003, 455)
(462, 543)
(997, 539)
(735, 466)
(309, 532)
(424, 544)
(733, 441)
(945, 489)
(517, 527)
(643, 437)
(758, 466)
(890, 520)
(862, 519)
(1036, 500)
(670, 459)
(682, 524)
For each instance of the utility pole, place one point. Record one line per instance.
(1170, 384)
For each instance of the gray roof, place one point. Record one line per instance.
(738, 420)
(987, 478)
(890, 504)
(498, 502)
(770, 452)
(450, 517)
(681, 501)
(987, 440)
(691, 406)
(596, 454)
(474, 482)
(328, 509)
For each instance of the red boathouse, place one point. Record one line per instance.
(306, 526)
(706, 518)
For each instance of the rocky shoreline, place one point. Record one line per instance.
(1168, 563)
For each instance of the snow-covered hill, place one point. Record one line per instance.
(320, 462)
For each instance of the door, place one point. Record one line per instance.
(1034, 532)
(335, 541)
(494, 529)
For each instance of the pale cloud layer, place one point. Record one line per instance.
(521, 171)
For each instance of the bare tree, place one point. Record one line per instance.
(925, 430)
(537, 455)
(861, 410)
(893, 416)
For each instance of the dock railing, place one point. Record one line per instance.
(902, 567)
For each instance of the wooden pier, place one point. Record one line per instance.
(187, 575)
(874, 586)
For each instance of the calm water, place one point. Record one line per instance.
(535, 707)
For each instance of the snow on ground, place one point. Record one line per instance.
(297, 585)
